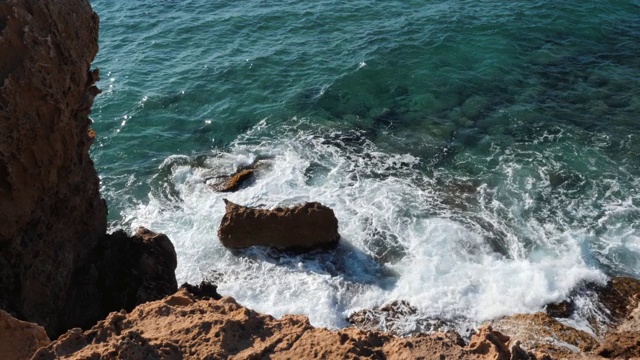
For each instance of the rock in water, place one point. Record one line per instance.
(299, 228)
(234, 182)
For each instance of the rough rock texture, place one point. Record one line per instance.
(18, 339)
(624, 340)
(122, 272)
(301, 227)
(51, 210)
(541, 332)
(181, 327)
(619, 297)
(398, 318)
(235, 181)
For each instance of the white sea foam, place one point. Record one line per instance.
(398, 241)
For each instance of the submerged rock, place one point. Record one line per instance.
(398, 318)
(541, 332)
(19, 339)
(235, 181)
(299, 228)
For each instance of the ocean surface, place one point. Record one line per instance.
(482, 157)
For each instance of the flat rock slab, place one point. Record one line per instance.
(299, 228)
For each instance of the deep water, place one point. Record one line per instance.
(482, 157)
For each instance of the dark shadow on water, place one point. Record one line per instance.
(345, 260)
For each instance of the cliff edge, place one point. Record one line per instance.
(50, 205)
(58, 268)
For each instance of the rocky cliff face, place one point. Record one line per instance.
(58, 268)
(50, 206)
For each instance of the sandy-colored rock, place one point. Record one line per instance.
(19, 339)
(51, 210)
(183, 327)
(303, 227)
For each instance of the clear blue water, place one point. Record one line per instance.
(482, 157)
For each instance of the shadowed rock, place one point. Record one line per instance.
(299, 228)
(123, 271)
(205, 290)
(20, 339)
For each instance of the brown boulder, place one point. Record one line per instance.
(19, 339)
(303, 227)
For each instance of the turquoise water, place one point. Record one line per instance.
(482, 157)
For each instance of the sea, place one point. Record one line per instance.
(482, 157)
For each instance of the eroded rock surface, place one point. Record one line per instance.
(541, 332)
(19, 339)
(303, 227)
(624, 340)
(51, 210)
(182, 327)
(58, 268)
(619, 297)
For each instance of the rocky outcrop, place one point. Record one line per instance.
(624, 340)
(299, 228)
(58, 268)
(541, 332)
(18, 339)
(121, 273)
(620, 297)
(182, 327)
(51, 210)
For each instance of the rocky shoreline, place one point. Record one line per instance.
(115, 296)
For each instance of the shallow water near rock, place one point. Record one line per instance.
(482, 158)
